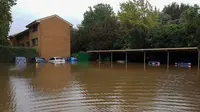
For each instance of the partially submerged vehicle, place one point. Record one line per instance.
(154, 63)
(121, 61)
(185, 63)
(57, 60)
(70, 59)
(38, 60)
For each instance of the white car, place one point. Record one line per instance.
(57, 60)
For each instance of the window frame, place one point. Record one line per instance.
(28, 44)
(35, 28)
(34, 42)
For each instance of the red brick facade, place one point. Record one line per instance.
(50, 36)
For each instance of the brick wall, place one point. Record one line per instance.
(54, 38)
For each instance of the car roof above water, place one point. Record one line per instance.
(57, 57)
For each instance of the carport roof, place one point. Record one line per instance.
(150, 49)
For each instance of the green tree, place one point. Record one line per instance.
(99, 28)
(165, 18)
(136, 17)
(191, 20)
(104, 35)
(184, 34)
(171, 35)
(138, 25)
(175, 10)
(74, 41)
(97, 15)
(5, 19)
(79, 39)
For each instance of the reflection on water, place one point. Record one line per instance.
(5, 103)
(90, 87)
(52, 78)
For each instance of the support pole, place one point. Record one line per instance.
(198, 59)
(111, 60)
(99, 59)
(167, 60)
(144, 60)
(126, 59)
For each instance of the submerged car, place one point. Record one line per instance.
(57, 60)
(70, 59)
(187, 63)
(38, 60)
(154, 63)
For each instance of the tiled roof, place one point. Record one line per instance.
(39, 20)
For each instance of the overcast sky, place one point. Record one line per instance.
(27, 11)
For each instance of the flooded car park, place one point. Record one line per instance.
(98, 87)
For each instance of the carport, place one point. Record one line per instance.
(166, 52)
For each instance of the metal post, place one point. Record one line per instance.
(99, 59)
(144, 60)
(126, 59)
(167, 60)
(111, 60)
(198, 59)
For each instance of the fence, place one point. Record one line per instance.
(8, 54)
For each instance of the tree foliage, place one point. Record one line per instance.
(99, 28)
(138, 14)
(5, 19)
(191, 20)
(184, 34)
(97, 15)
(175, 10)
(138, 25)
(136, 18)
(170, 35)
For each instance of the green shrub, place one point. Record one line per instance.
(7, 53)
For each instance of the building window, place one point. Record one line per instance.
(35, 28)
(28, 44)
(35, 42)
(20, 38)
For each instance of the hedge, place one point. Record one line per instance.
(7, 53)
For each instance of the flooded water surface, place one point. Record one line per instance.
(90, 87)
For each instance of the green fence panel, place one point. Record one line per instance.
(7, 53)
(83, 57)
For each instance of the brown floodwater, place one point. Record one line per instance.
(90, 87)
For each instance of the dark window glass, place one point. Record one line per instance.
(26, 34)
(28, 44)
(59, 58)
(51, 59)
(20, 38)
(35, 42)
(35, 28)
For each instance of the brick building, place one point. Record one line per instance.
(50, 36)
